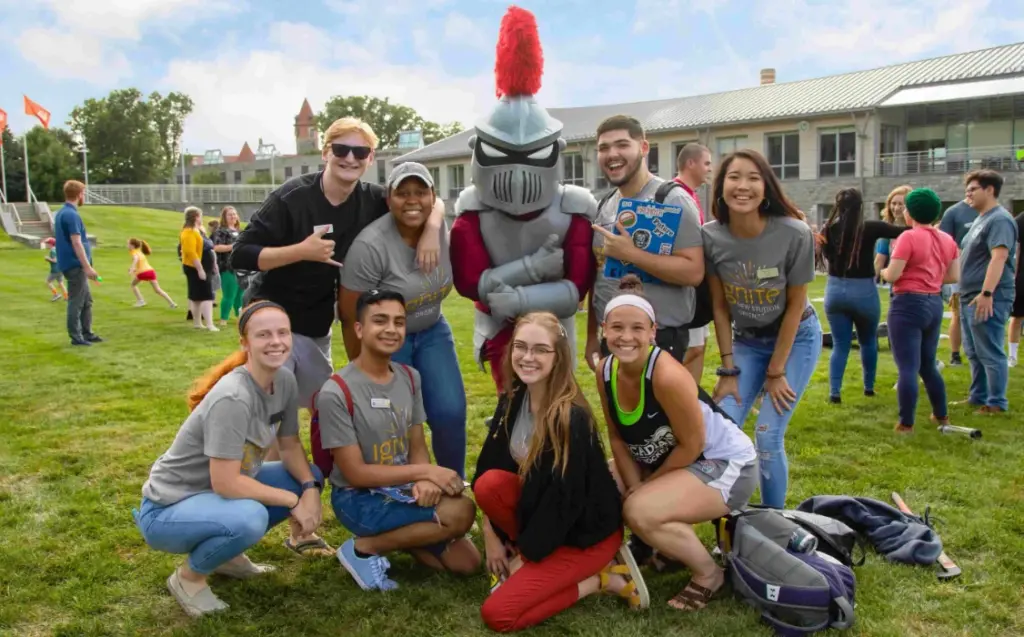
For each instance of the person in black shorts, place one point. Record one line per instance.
(1017, 312)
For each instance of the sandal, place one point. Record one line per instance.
(635, 590)
(692, 597)
(317, 547)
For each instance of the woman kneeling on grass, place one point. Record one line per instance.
(210, 495)
(552, 515)
(657, 425)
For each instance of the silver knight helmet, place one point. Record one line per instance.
(517, 149)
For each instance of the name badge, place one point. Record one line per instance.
(380, 403)
(767, 273)
(329, 227)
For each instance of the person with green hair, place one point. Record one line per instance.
(922, 260)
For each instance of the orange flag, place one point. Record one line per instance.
(3, 125)
(31, 108)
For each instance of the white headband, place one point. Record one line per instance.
(631, 300)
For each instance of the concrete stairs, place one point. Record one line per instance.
(29, 223)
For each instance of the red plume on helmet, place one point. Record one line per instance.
(520, 61)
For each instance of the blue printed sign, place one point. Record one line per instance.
(652, 226)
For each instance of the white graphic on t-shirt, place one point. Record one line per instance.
(657, 445)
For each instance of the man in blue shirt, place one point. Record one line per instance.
(74, 259)
(956, 221)
(987, 290)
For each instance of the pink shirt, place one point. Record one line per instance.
(928, 252)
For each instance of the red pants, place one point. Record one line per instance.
(538, 590)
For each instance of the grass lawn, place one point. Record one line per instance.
(80, 428)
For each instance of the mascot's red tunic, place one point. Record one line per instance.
(521, 241)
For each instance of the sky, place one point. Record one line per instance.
(248, 64)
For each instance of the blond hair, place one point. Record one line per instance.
(887, 215)
(347, 125)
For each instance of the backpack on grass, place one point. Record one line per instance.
(797, 592)
(702, 310)
(322, 458)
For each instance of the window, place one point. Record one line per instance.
(287, 172)
(435, 176)
(783, 151)
(838, 157)
(238, 176)
(652, 159)
(600, 182)
(305, 169)
(456, 180)
(573, 169)
(223, 178)
(726, 145)
(678, 146)
(382, 171)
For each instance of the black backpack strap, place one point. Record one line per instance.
(605, 198)
(664, 189)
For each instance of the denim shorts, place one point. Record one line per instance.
(366, 513)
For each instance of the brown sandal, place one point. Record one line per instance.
(692, 597)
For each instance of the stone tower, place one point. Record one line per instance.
(307, 138)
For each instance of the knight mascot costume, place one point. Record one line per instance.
(521, 241)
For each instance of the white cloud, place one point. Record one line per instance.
(462, 31)
(77, 56)
(405, 8)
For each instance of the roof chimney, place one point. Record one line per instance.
(767, 76)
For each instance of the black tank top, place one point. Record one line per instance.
(646, 430)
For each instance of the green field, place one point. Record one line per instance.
(81, 427)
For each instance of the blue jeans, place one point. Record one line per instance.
(852, 303)
(431, 352)
(915, 323)
(213, 529)
(752, 356)
(983, 345)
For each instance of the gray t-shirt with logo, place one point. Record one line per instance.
(755, 272)
(673, 304)
(379, 259)
(994, 229)
(237, 420)
(383, 416)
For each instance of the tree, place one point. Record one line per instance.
(14, 166)
(52, 160)
(433, 132)
(385, 118)
(207, 177)
(131, 140)
(261, 177)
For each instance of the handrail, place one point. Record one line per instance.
(951, 160)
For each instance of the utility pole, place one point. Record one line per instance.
(181, 152)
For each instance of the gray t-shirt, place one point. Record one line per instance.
(994, 229)
(383, 416)
(522, 432)
(673, 304)
(380, 259)
(957, 220)
(237, 420)
(756, 272)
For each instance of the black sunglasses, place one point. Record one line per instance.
(341, 151)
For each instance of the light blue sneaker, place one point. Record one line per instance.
(369, 572)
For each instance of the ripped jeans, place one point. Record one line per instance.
(752, 356)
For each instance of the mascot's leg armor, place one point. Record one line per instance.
(521, 241)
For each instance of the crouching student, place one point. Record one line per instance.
(553, 517)
(211, 495)
(384, 488)
(678, 461)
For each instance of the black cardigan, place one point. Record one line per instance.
(579, 509)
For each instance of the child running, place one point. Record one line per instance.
(56, 277)
(140, 270)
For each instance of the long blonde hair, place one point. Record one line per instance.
(552, 428)
(887, 215)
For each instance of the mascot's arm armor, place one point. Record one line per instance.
(561, 298)
(468, 254)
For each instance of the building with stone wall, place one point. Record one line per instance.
(921, 123)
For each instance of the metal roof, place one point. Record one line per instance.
(849, 92)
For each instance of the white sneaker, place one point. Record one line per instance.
(213, 328)
(1012, 362)
(140, 304)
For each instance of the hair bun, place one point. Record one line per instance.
(631, 283)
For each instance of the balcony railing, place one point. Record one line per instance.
(951, 161)
(171, 193)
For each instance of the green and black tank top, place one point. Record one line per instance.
(646, 429)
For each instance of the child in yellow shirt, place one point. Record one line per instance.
(140, 270)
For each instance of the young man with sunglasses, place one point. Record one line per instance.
(298, 239)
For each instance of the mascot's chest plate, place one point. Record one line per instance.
(510, 238)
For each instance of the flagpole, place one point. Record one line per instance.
(28, 187)
(3, 170)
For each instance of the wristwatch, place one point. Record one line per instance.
(727, 371)
(986, 294)
(312, 484)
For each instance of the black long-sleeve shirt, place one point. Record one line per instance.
(307, 290)
(838, 256)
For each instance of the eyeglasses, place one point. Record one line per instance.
(537, 350)
(341, 151)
